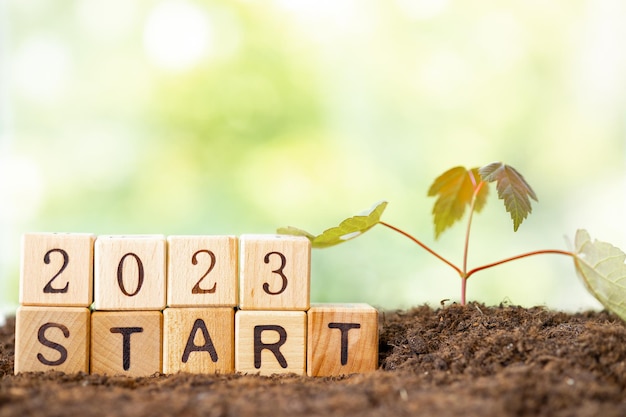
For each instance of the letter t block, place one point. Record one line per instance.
(343, 339)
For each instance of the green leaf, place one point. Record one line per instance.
(602, 269)
(455, 189)
(347, 229)
(512, 188)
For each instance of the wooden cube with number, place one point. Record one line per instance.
(199, 340)
(130, 273)
(126, 342)
(343, 339)
(52, 338)
(270, 342)
(202, 271)
(56, 269)
(274, 272)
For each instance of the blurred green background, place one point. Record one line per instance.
(232, 117)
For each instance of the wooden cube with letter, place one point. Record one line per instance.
(126, 342)
(56, 269)
(130, 273)
(270, 342)
(199, 340)
(343, 339)
(202, 271)
(52, 338)
(274, 272)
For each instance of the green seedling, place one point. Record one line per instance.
(599, 264)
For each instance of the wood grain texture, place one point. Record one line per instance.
(126, 342)
(342, 339)
(130, 273)
(56, 269)
(199, 340)
(52, 338)
(275, 272)
(202, 271)
(270, 342)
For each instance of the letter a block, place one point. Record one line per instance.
(52, 338)
(129, 273)
(126, 343)
(56, 269)
(275, 272)
(270, 342)
(343, 339)
(202, 271)
(199, 340)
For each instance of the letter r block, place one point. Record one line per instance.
(52, 338)
(126, 342)
(199, 340)
(270, 342)
(274, 272)
(56, 269)
(343, 339)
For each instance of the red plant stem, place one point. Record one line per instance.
(426, 248)
(523, 255)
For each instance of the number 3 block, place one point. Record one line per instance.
(129, 273)
(56, 269)
(275, 272)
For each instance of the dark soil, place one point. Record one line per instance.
(470, 361)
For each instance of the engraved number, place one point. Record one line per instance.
(278, 271)
(120, 274)
(49, 289)
(194, 260)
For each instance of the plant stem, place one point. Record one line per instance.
(424, 246)
(477, 189)
(523, 255)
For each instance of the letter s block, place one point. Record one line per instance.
(52, 338)
(343, 339)
(275, 272)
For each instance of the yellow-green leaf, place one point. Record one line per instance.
(512, 188)
(455, 189)
(602, 269)
(347, 229)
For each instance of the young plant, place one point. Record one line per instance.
(599, 264)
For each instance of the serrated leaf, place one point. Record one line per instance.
(602, 269)
(455, 189)
(512, 188)
(347, 229)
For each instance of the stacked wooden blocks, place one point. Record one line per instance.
(199, 304)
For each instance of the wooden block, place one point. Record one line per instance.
(343, 339)
(199, 340)
(126, 343)
(270, 342)
(275, 272)
(129, 273)
(56, 269)
(52, 338)
(202, 271)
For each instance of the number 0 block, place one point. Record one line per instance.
(56, 269)
(52, 338)
(129, 273)
(202, 271)
(275, 272)
(343, 339)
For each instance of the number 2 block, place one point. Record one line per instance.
(129, 273)
(202, 271)
(56, 269)
(275, 272)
